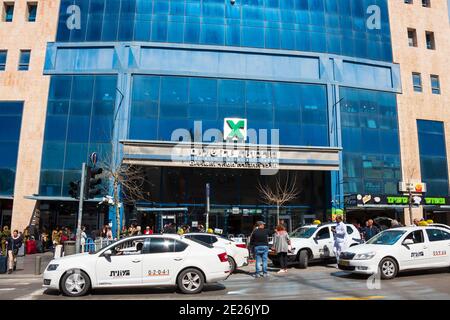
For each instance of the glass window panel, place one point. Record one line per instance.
(53, 155)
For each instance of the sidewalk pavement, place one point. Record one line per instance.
(26, 266)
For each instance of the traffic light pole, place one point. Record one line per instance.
(80, 207)
(207, 206)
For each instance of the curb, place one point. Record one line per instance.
(20, 276)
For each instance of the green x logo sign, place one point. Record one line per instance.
(236, 129)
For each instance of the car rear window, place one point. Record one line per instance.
(437, 235)
(200, 242)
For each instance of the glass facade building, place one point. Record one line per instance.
(336, 27)
(433, 157)
(370, 140)
(132, 71)
(10, 125)
(161, 105)
(79, 122)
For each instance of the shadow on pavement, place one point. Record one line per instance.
(400, 275)
(138, 291)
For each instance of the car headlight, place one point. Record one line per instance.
(364, 256)
(52, 267)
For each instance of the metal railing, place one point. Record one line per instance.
(97, 244)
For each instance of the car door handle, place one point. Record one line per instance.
(136, 261)
(178, 259)
(425, 247)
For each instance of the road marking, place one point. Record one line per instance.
(32, 295)
(7, 289)
(357, 298)
(239, 292)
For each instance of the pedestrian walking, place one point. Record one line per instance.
(138, 230)
(250, 247)
(370, 230)
(281, 243)
(5, 234)
(340, 237)
(109, 234)
(83, 238)
(260, 243)
(13, 244)
(395, 224)
(65, 235)
(148, 230)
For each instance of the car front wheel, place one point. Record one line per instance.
(75, 283)
(388, 268)
(191, 281)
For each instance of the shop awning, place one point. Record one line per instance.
(51, 198)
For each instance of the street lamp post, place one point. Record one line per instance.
(410, 196)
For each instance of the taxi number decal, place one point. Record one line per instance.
(154, 273)
(439, 253)
(120, 273)
(417, 254)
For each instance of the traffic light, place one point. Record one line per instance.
(93, 182)
(74, 189)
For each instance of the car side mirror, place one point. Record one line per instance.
(408, 242)
(107, 253)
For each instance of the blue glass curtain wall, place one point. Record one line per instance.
(433, 157)
(79, 121)
(162, 104)
(370, 139)
(10, 125)
(329, 26)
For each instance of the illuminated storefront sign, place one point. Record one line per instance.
(361, 200)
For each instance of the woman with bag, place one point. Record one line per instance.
(281, 243)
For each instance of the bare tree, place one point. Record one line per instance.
(128, 183)
(279, 193)
(411, 174)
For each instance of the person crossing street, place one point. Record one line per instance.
(13, 244)
(340, 237)
(260, 242)
(281, 244)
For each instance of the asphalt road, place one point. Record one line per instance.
(316, 283)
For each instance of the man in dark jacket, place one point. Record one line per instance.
(260, 242)
(370, 230)
(14, 242)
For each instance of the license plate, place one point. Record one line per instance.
(345, 263)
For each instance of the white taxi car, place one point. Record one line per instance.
(153, 260)
(315, 242)
(398, 249)
(237, 252)
(440, 225)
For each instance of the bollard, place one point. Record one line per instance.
(37, 266)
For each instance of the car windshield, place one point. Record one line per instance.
(303, 232)
(388, 237)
